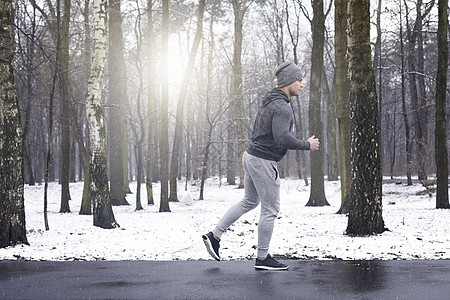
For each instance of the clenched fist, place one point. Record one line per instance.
(314, 143)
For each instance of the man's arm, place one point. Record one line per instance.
(280, 129)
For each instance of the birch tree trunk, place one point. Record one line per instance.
(12, 210)
(102, 209)
(441, 151)
(365, 212)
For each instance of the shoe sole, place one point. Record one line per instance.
(272, 268)
(209, 247)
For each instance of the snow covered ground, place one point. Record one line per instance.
(416, 229)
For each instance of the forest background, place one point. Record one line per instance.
(182, 83)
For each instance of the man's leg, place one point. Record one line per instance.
(266, 181)
(249, 202)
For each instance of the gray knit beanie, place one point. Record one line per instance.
(287, 73)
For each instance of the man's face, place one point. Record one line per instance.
(296, 87)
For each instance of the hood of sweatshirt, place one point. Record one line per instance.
(274, 94)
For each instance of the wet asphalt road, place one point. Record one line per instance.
(416, 279)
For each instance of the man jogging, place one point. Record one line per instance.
(270, 140)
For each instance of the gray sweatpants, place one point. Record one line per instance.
(262, 184)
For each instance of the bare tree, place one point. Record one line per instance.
(86, 207)
(103, 213)
(404, 106)
(117, 94)
(343, 105)
(416, 84)
(294, 35)
(441, 151)
(151, 104)
(181, 101)
(12, 210)
(65, 109)
(317, 195)
(164, 153)
(213, 112)
(239, 7)
(365, 212)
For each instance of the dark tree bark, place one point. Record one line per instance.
(294, 35)
(164, 153)
(29, 65)
(12, 208)
(86, 203)
(239, 8)
(365, 212)
(405, 107)
(65, 109)
(332, 154)
(422, 109)
(441, 151)
(417, 86)
(317, 195)
(151, 104)
(343, 104)
(378, 68)
(117, 92)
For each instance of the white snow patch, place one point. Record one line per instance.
(417, 229)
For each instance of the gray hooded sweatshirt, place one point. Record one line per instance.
(271, 137)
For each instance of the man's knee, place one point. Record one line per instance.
(249, 205)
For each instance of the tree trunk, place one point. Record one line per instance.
(49, 160)
(139, 162)
(299, 155)
(164, 205)
(239, 8)
(86, 203)
(117, 92)
(378, 70)
(65, 110)
(102, 209)
(180, 106)
(343, 109)
(151, 105)
(404, 107)
(416, 86)
(317, 195)
(332, 154)
(208, 102)
(28, 169)
(12, 209)
(422, 109)
(441, 151)
(231, 153)
(86, 207)
(365, 212)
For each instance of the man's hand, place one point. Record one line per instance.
(313, 143)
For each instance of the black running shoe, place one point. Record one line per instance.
(212, 245)
(269, 264)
